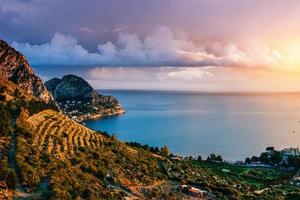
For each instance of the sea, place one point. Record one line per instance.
(235, 126)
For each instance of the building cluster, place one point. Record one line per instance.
(290, 151)
(74, 109)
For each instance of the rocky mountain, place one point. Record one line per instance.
(70, 88)
(78, 99)
(15, 67)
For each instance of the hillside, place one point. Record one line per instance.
(80, 101)
(54, 133)
(15, 67)
(52, 151)
(61, 150)
(12, 98)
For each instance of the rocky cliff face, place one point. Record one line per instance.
(15, 67)
(70, 88)
(78, 99)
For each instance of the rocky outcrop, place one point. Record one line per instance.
(79, 100)
(70, 88)
(15, 67)
(51, 84)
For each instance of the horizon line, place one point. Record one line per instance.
(201, 92)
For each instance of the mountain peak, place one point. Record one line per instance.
(15, 67)
(70, 87)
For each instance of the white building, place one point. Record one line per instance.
(290, 151)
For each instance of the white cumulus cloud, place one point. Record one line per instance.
(162, 48)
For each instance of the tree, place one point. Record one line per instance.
(254, 159)
(294, 161)
(214, 158)
(199, 158)
(165, 151)
(11, 178)
(264, 158)
(88, 194)
(270, 149)
(248, 160)
(219, 158)
(293, 196)
(276, 157)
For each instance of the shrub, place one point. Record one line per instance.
(2, 97)
(3, 89)
(165, 151)
(293, 196)
(11, 178)
(214, 158)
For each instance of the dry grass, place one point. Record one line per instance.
(57, 134)
(10, 89)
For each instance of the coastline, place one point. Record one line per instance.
(101, 114)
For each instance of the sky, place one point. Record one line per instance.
(215, 45)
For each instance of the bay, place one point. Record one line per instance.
(233, 125)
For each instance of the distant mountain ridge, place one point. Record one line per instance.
(15, 67)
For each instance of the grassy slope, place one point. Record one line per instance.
(8, 90)
(53, 147)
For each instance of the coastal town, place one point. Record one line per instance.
(81, 110)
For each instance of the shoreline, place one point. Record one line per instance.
(100, 115)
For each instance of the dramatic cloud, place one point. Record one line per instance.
(230, 21)
(162, 48)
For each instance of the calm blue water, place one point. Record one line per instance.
(235, 126)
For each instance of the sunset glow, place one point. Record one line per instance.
(150, 99)
(237, 39)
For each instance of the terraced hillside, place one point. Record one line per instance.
(72, 161)
(55, 133)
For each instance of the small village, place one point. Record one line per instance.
(83, 110)
(287, 158)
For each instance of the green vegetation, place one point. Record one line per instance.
(227, 181)
(214, 158)
(81, 159)
(272, 157)
(7, 175)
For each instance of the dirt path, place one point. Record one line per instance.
(129, 194)
(20, 190)
(12, 160)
